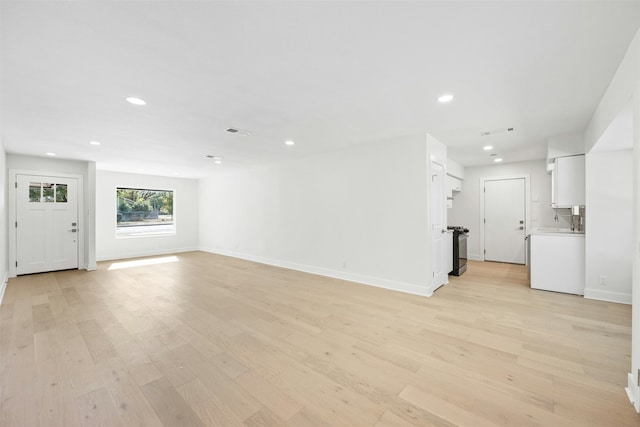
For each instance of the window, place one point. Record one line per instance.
(144, 212)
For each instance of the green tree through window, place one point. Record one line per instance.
(143, 211)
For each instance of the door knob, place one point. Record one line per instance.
(73, 230)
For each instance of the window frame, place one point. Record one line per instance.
(120, 232)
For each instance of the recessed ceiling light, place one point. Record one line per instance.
(216, 159)
(487, 147)
(94, 142)
(447, 97)
(50, 154)
(497, 160)
(136, 101)
(289, 142)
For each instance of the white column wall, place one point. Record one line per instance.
(625, 86)
(609, 236)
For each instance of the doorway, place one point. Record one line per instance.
(505, 219)
(46, 227)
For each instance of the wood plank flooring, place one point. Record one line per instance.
(207, 340)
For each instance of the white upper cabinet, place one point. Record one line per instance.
(453, 185)
(568, 179)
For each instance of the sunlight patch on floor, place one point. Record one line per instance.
(142, 262)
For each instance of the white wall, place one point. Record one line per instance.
(185, 211)
(358, 214)
(467, 203)
(568, 144)
(609, 236)
(455, 169)
(625, 86)
(633, 383)
(87, 220)
(4, 211)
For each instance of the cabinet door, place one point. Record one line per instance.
(569, 181)
(454, 183)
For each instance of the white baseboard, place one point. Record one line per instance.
(409, 288)
(3, 285)
(633, 392)
(607, 296)
(475, 257)
(138, 254)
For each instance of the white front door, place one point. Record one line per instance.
(438, 227)
(46, 223)
(504, 216)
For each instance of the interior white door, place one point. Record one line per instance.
(47, 223)
(438, 226)
(504, 216)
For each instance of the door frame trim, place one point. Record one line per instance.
(527, 205)
(13, 213)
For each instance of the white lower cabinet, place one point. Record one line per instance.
(557, 262)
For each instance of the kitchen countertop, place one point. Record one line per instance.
(556, 232)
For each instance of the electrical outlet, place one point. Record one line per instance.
(603, 280)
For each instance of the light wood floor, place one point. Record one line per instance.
(210, 340)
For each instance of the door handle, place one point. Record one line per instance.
(443, 230)
(73, 230)
(521, 228)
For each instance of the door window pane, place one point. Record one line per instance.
(34, 191)
(48, 192)
(61, 193)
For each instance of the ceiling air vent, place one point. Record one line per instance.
(237, 131)
(493, 132)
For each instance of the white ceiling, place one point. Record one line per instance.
(325, 74)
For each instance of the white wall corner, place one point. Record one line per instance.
(633, 392)
(3, 285)
(597, 294)
(409, 288)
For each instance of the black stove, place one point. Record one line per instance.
(460, 235)
(458, 229)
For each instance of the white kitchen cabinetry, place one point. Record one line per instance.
(454, 185)
(568, 179)
(557, 262)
